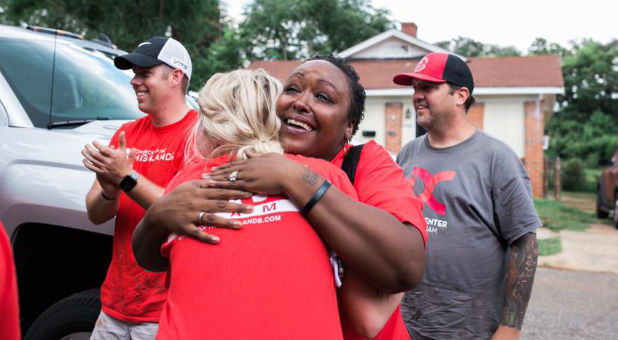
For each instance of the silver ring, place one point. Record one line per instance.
(199, 220)
(233, 176)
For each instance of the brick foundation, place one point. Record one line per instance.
(392, 126)
(534, 153)
(475, 115)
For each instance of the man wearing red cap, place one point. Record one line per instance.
(131, 173)
(481, 221)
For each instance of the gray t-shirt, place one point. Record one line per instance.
(477, 201)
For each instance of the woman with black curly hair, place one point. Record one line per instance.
(380, 238)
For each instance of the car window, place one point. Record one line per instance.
(85, 85)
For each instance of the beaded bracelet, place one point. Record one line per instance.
(316, 197)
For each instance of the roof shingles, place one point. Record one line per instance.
(531, 71)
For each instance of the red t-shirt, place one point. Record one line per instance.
(130, 293)
(380, 182)
(9, 306)
(271, 279)
(394, 329)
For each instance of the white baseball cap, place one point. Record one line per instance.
(155, 51)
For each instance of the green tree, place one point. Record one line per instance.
(126, 22)
(4, 4)
(193, 22)
(540, 46)
(507, 51)
(590, 71)
(586, 125)
(225, 54)
(294, 29)
(590, 140)
(354, 21)
(591, 80)
(468, 47)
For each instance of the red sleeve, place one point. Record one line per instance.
(9, 307)
(381, 183)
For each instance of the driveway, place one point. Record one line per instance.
(575, 294)
(595, 249)
(572, 305)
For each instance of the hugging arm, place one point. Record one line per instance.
(181, 211)
(146, 244)
(366, 308)
(383, 251)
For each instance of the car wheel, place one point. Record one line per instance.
(71, 318)
(601, 213)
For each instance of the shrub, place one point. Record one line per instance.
(573, 176)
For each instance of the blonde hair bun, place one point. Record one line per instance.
(238, 112)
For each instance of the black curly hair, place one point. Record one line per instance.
(357, 91)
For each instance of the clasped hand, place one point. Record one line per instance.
(111, 165)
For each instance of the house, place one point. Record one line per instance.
(515, 96)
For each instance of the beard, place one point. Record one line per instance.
(435, 121)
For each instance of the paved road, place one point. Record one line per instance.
(572, 305)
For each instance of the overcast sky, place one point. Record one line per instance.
(504, 23)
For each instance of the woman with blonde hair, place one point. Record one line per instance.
(380, 238)
(273, 279)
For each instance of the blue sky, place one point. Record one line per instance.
(503, 23)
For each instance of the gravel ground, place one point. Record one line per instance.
(570, 305)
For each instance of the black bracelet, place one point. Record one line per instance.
(316, 197)
(108, 198)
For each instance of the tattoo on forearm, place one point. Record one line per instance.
(310, 176)
(519, 278)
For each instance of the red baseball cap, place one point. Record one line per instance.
(439, 68)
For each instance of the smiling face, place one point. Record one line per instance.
(314, 110)
(434, 104)
(151, 87)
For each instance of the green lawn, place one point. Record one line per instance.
(558, 216)
(550, 246)
(575, 212)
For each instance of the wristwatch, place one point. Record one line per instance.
(129, 181)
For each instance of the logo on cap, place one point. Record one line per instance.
(179, 63)
(421, 64)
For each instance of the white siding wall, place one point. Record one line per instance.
(506, 122)
(374, 119)
(503, 119)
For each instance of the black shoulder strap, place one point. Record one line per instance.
(351, 161)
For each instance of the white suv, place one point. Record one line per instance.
(57, 93)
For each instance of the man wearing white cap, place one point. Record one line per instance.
(481, 221)
(131, 172)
